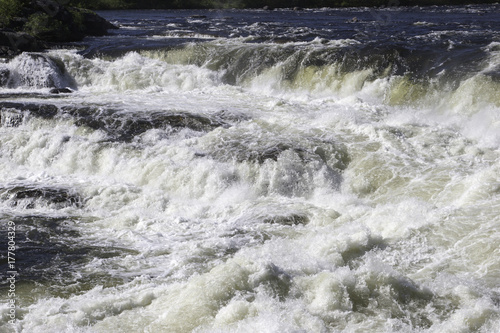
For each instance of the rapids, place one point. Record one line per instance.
(256, 171)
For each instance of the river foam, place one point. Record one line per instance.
(238, 184)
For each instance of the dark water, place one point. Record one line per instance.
(431, 37)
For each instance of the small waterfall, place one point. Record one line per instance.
(35, 71)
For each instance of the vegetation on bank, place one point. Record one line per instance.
(28, 25)
(206, 4)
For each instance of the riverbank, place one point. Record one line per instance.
(35, 26)
(267, 4)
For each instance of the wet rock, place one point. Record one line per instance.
(270, 152)
(48, 21)
(12, 43)
(119, 126)
(92, 24)
(4, 76)
(185, 120)
(125, 126)
(225, 115)
(26, 95)
(290, 219)
(56, 23)
(241, 152)
(274, 280)
(11, 118)
(50, 253)
(37, 70)
(46, 111)
(60, 91)
(256, 144)
(33, 196)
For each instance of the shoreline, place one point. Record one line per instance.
(271, 5)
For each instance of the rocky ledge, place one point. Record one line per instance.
(38, 24)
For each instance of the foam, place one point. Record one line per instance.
(332, 198)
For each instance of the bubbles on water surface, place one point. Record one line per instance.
(250, 185)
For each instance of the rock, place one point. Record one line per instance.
(4, 77)
(32, 196)
(67, 24)
(45, 242)
(46, 111)
(61, 91)
(48, 28)
(11, 118)
(38, 70)
(93, 24)
(124, 127)
(17, 23)
(259, 155)
(48, 21)
(290, 219)
(12, 43)
(118, 126)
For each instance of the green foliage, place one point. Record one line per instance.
(45, 27)
(9, 9)
(78, 18)
(104, 4)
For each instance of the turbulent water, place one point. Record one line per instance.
(256, 171)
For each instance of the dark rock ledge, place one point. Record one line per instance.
(119, 127)
(40, 24)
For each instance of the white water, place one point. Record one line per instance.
(402, 235)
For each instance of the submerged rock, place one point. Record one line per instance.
(125, 126)
(271, 152)
(324, 152)
(61, 91)
(46, 111)
(11, 118)
(119, 126)
(4, 76)
(32, 196)
(289, 219)
(36, 70)
(50, 252)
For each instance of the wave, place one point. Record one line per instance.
(461, 80)
(35, 70)
(324, 69)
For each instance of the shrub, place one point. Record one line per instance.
(42, 26)
(9, 9)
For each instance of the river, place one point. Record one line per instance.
(327, 170)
